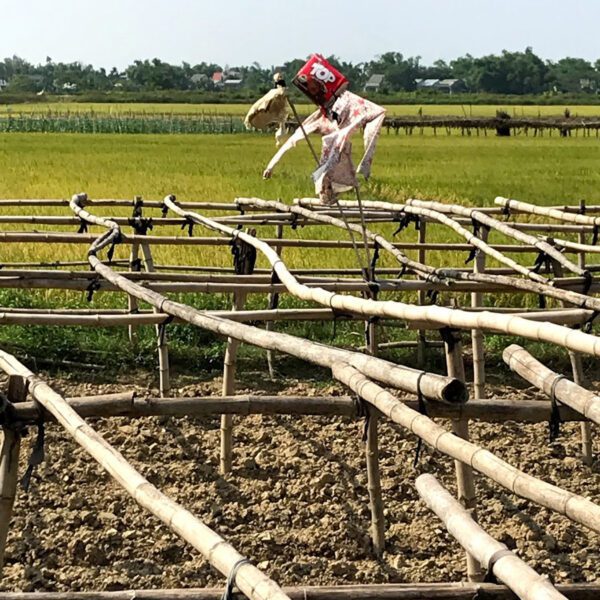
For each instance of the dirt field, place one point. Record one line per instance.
(296, 503)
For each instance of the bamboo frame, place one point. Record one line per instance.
(356, 371)
(215, 549)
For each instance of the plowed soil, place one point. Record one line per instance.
(296, 503)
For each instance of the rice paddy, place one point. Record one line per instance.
(220, 167)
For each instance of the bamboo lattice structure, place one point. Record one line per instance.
(382, 294)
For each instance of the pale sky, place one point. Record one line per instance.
(110, 33)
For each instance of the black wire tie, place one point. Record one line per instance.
(228, 593)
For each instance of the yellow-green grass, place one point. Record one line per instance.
(241, 109)
(470, 170)
(219, 168)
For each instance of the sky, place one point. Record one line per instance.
(109, 33)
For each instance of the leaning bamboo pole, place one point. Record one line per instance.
(213, 547)
(481, 217)
(471, 238)
(417, 267)
(575, 507)
(374, 482)
(505, 229)
(578, 398)
(573, 340)
(504, 564)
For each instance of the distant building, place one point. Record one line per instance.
(587, 85)
(199, 78)
(233, 83)
(3, 84)
(217, 78)
(374, 84)
(446, 86)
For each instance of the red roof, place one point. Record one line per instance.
(217, 76)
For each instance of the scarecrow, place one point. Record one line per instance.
(339, 115)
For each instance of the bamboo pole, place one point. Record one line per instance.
(229, 370)
(587, 446)
(575, 507)
(162, 346)
(422, 257)
(389, 591)
(477, 337)
(214, 548)
(489, 411)
(273, 302)
(465, 482)
(549, 382)
(374, 483)
(132, 303)
(9, 464)
(509, 568)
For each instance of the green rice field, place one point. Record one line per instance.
(471, 170)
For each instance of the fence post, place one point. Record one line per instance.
(9, 464)
(460, 427)
(477, 337)
(421, 257)
(229, 369)
(374, 483)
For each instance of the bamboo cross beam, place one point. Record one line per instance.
(221, 555)
(127, 405)
(388, 591)
(504, 564)
(443, 219)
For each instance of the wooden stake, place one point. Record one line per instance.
(587, 447)
(273, 301)
(477, 337)
(229, 369)
(374, 483)
(464, 472)
(161, 334)
(9, 464)
(421, 257)
(132, 303)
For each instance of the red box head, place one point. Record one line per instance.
(320, 81)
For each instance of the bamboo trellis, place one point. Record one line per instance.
(329, 293)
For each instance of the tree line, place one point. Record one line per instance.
(517, 73)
